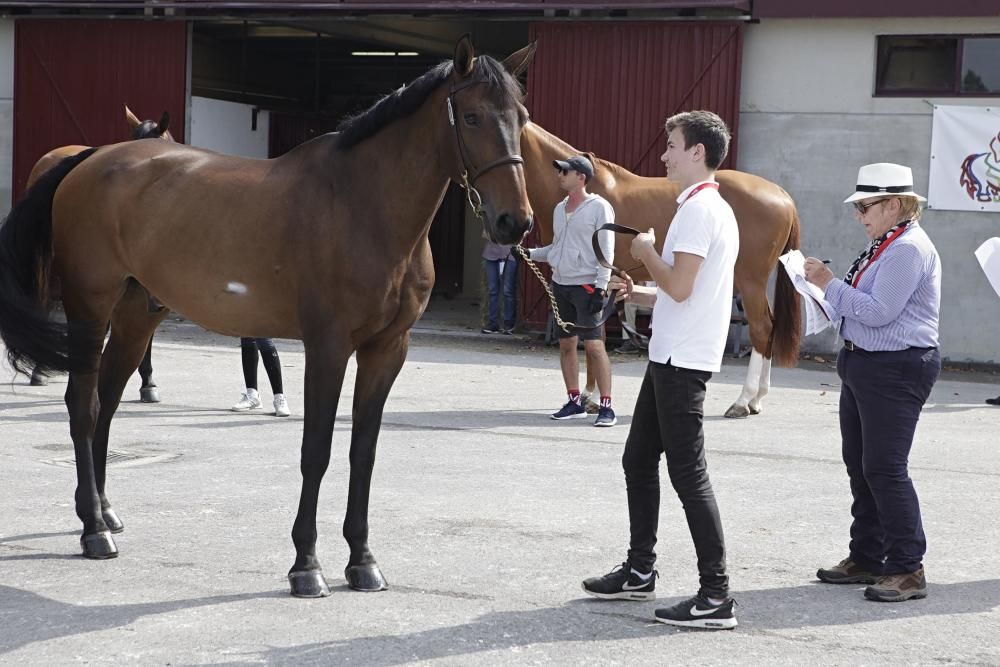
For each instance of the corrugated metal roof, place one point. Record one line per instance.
(379, 5)
(869, 9)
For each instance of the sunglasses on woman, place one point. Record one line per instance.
(862, 208)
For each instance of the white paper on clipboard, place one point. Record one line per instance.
(819, 314)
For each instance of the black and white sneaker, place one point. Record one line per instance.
(622, 583)
(698, 612)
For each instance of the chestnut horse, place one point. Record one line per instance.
(769, 227)
(138, 129)
(337, 229)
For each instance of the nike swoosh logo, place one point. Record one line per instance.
(626, 587)
(703, 612)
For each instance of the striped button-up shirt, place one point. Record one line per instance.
(897, 300)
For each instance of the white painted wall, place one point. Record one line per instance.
(808, 120)
(6, 112)
(226, 127)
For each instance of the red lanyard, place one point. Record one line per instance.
(881, 249)
(698, 189)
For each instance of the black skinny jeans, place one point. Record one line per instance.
(668, 420)
(881, 396)
(269, 355)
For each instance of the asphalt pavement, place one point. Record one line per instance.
(485, 517)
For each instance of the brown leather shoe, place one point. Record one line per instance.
(898, 587)
(845, 572)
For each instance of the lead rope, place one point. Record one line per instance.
(565, 326)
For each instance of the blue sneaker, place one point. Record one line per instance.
(572, 410)
(605, 417)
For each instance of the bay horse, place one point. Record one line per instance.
(326, 244)
(768, 223)
(138, 129)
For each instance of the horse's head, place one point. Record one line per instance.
(148, 129)
(486, 115)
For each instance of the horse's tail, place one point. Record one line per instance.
(25, 259)
(786, 334)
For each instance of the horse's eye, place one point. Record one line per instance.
(471, 119)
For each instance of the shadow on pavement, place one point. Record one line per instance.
(810, 605)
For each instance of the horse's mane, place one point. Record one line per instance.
(616, 169)
(404, 101)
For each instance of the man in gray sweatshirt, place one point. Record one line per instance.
(579, 283)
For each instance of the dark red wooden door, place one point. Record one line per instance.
(72, 80)
(607, 88)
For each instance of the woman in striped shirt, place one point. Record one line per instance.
(888, 304)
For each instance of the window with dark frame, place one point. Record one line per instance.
(944, 65)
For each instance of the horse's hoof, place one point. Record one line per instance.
(308, 584)
(115, 524)
(754, 410)
(737, 411)
(38, 380)
(98, 546)
(367, 578)
(149, 395)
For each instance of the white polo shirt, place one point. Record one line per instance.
(692, 333)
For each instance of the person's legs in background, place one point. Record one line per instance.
(493, 295)
(509, 294)
(250, 400)
(272, 365)
(629, 346)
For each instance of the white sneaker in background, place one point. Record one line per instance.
(250, 400)
(280, 406)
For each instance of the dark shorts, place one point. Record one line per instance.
(574, 306)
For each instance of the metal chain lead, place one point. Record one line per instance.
(565, 326)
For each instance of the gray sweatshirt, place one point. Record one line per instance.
(571, 253)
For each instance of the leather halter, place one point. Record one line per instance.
(468, 184)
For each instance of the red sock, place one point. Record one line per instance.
(574, 395)
(605, 401)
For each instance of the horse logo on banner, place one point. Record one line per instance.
(981, 174)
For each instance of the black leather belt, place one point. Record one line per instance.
(848, 345)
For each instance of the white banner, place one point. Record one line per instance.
(965, 159)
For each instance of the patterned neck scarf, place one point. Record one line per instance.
(870, 253)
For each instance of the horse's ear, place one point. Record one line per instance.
(464, 55)
(517, 62)
(130, 118)
(161, 128)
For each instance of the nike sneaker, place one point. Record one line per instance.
(623, 583)
(699, 612)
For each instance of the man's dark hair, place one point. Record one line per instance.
(705, 128)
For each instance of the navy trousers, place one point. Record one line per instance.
(881, 396)
(501, 275)
(667, 420)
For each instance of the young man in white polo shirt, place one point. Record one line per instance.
(691, 308)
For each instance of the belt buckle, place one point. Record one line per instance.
(849, 346)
